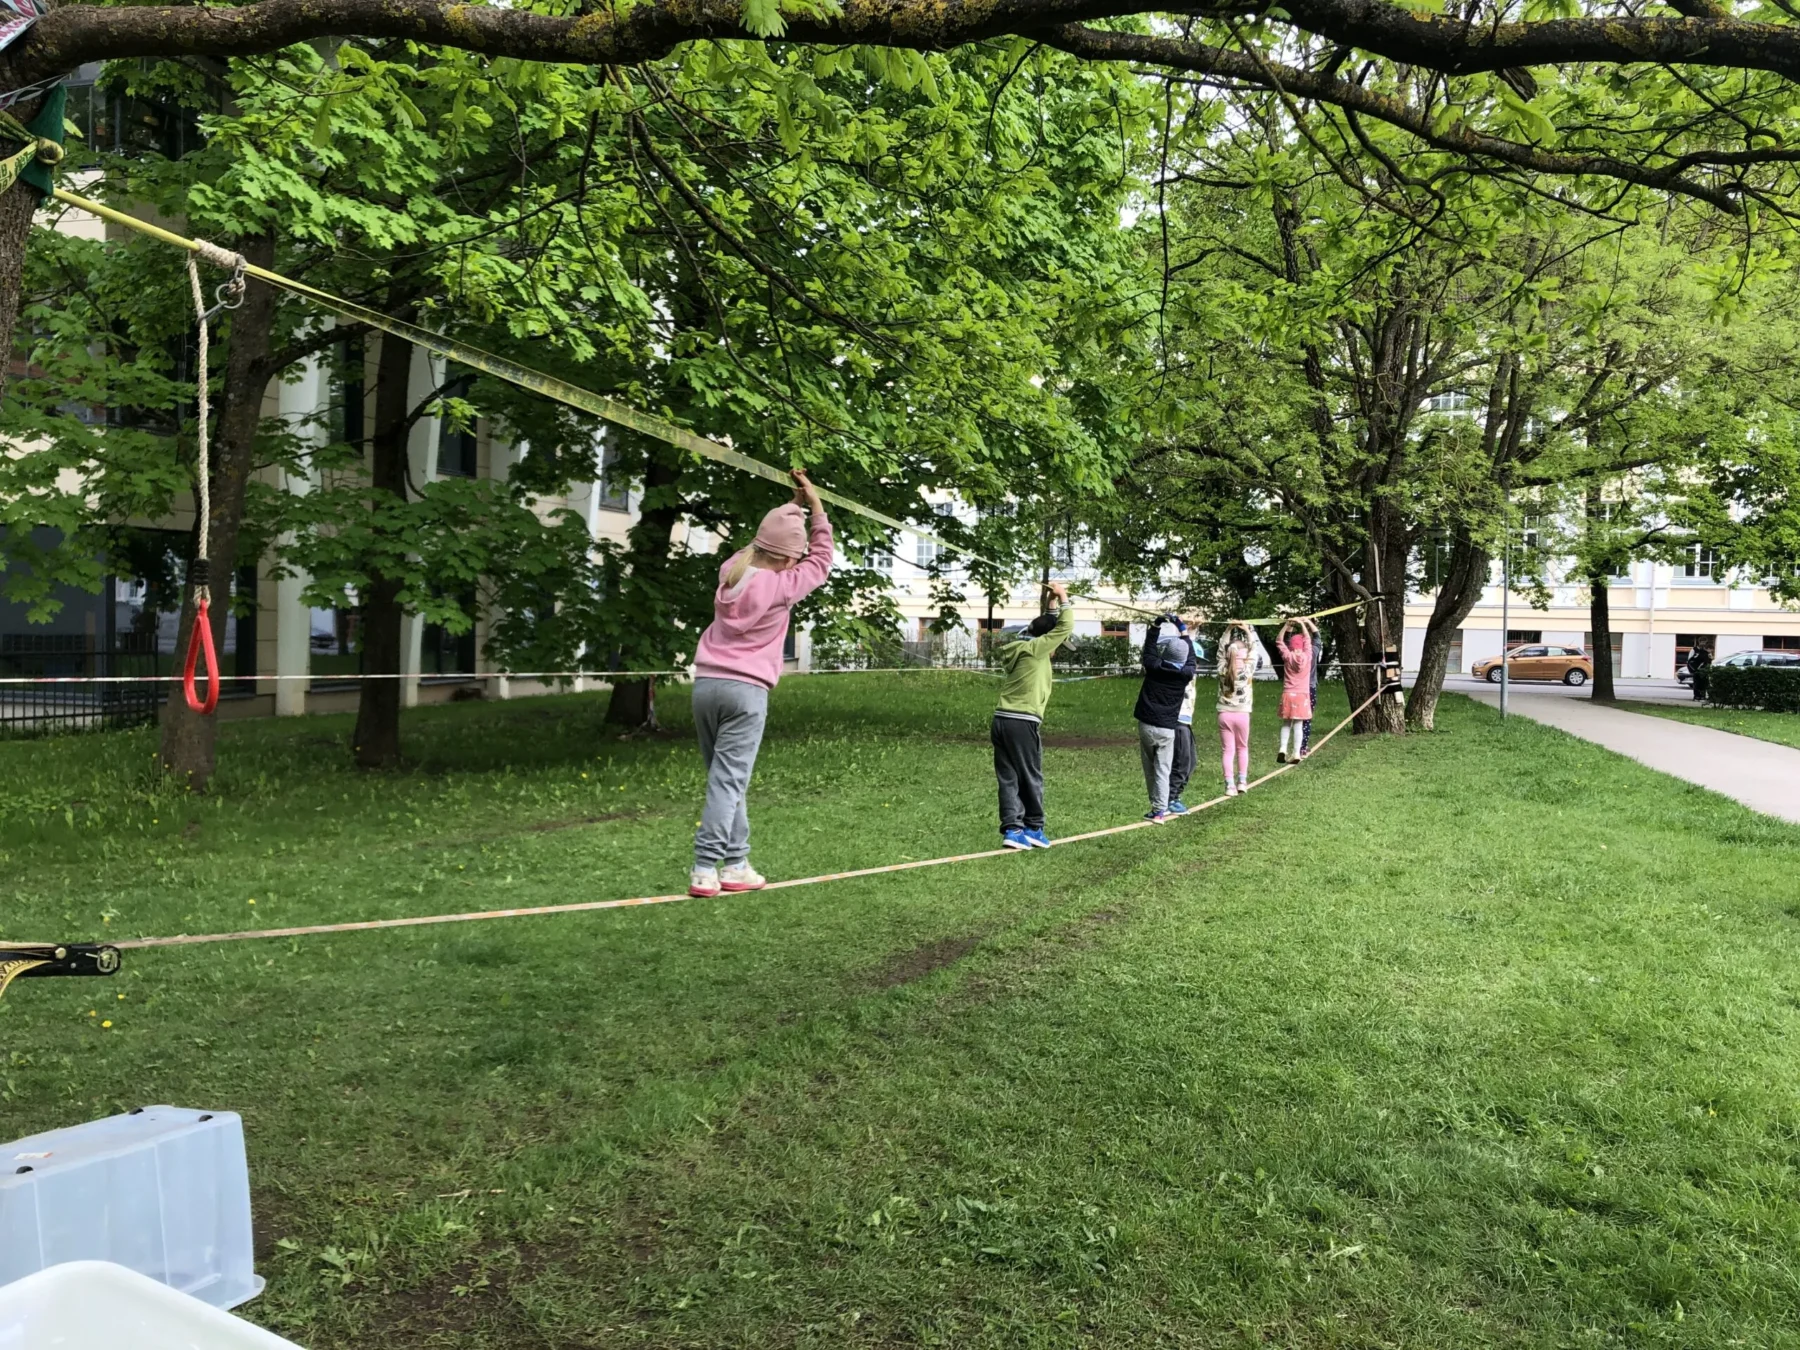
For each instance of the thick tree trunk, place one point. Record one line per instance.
(1600, 620)
(633, 702)
(188, 753)
(1382, 622)
(376, 741)
(17, 206)
(1461, 589)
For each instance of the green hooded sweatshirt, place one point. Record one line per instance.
(1025, 683)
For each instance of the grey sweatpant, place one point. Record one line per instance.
(729, 717)
(1157, 747)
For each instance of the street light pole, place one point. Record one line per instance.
(1505, 607)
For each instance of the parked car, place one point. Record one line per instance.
(1539, 661)
(1766, 657)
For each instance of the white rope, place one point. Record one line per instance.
(202, 467)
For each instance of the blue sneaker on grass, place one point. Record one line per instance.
(1015, 839)
(1176, 808)
(1038, 838)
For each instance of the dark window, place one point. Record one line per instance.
(615, 490)
(1686, 642)
(116, 122)
(1524, 635)
(456, 449)
(442, 652)
(335, 646)
(1115, 630)
(347, 396)
(1782, 642)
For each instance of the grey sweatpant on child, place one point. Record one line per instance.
(1157, 746)
(729, 717)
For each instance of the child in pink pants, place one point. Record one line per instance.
(1237, 663)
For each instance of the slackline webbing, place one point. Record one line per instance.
(587, 906)
(501, 368)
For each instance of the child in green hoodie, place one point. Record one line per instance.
(1018, 723)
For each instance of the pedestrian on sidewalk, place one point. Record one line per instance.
(1700, 664)
(737, 663)
(1017, 728)
(1169, 666)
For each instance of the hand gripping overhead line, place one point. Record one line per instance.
(501, 368)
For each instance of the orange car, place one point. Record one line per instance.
(1539, 661)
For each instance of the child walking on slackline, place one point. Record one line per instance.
(736, 665)
(1237, 665)
(1168, 662)
(1017, 728)
(1297, 655)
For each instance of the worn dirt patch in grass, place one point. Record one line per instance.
(923, 960)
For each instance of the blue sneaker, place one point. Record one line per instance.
(1158, 815)
(1177, 808)
(1015, 839)
(1038, 838)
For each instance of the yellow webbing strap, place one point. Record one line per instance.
(525, 377)
(36, 147)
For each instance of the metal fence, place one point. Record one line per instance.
(111, 702)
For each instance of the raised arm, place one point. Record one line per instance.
(810, 572)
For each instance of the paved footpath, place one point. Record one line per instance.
(1762, 775)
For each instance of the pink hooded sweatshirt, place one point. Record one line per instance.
(750, 621)
(1296, 677)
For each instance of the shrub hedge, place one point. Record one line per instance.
(1776, 688)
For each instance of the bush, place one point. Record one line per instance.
(1776, 688)
(1097, 653)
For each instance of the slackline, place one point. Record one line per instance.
(501, 368)
(587, 906)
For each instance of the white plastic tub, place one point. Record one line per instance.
(162, 1190)
(96, 1305)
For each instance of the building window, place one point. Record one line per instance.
(347, 398)
(1112, 628)
(1524, 635)
(879, 559)
(1702, 565)
(1686, 642)
(1618, 651)
(1449, 403)
(442, 652)
(930, 551)
(115, 122)
(334, 647)
(1532, 534)
(1782, 642)
(614, 488)
(456, 448)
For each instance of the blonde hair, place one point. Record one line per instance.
(734, 572)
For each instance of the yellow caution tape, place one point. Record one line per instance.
(501, 368)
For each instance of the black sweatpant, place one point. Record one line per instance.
(1019, 768)
(1186, 757)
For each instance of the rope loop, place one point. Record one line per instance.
(201, 637)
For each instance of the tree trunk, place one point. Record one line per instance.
(633, 702)
(17, 206)
(1600, 620)
(376, 740)
(1361, 641)
(1457, 596)
(188, 752)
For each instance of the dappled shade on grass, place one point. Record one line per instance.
(1484, 1037)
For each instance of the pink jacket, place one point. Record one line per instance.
(750, 623)
(1296, 679)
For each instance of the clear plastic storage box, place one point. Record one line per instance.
(162, 1190)
(95, 1305)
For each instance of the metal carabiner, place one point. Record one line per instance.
(229, 295)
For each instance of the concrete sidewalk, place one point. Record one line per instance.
(1762, 775)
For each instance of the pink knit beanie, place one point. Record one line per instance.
(783, 532)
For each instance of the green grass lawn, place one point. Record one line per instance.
(1783, 728)
(1483, 1038)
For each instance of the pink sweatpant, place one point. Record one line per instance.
(1234, 731)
